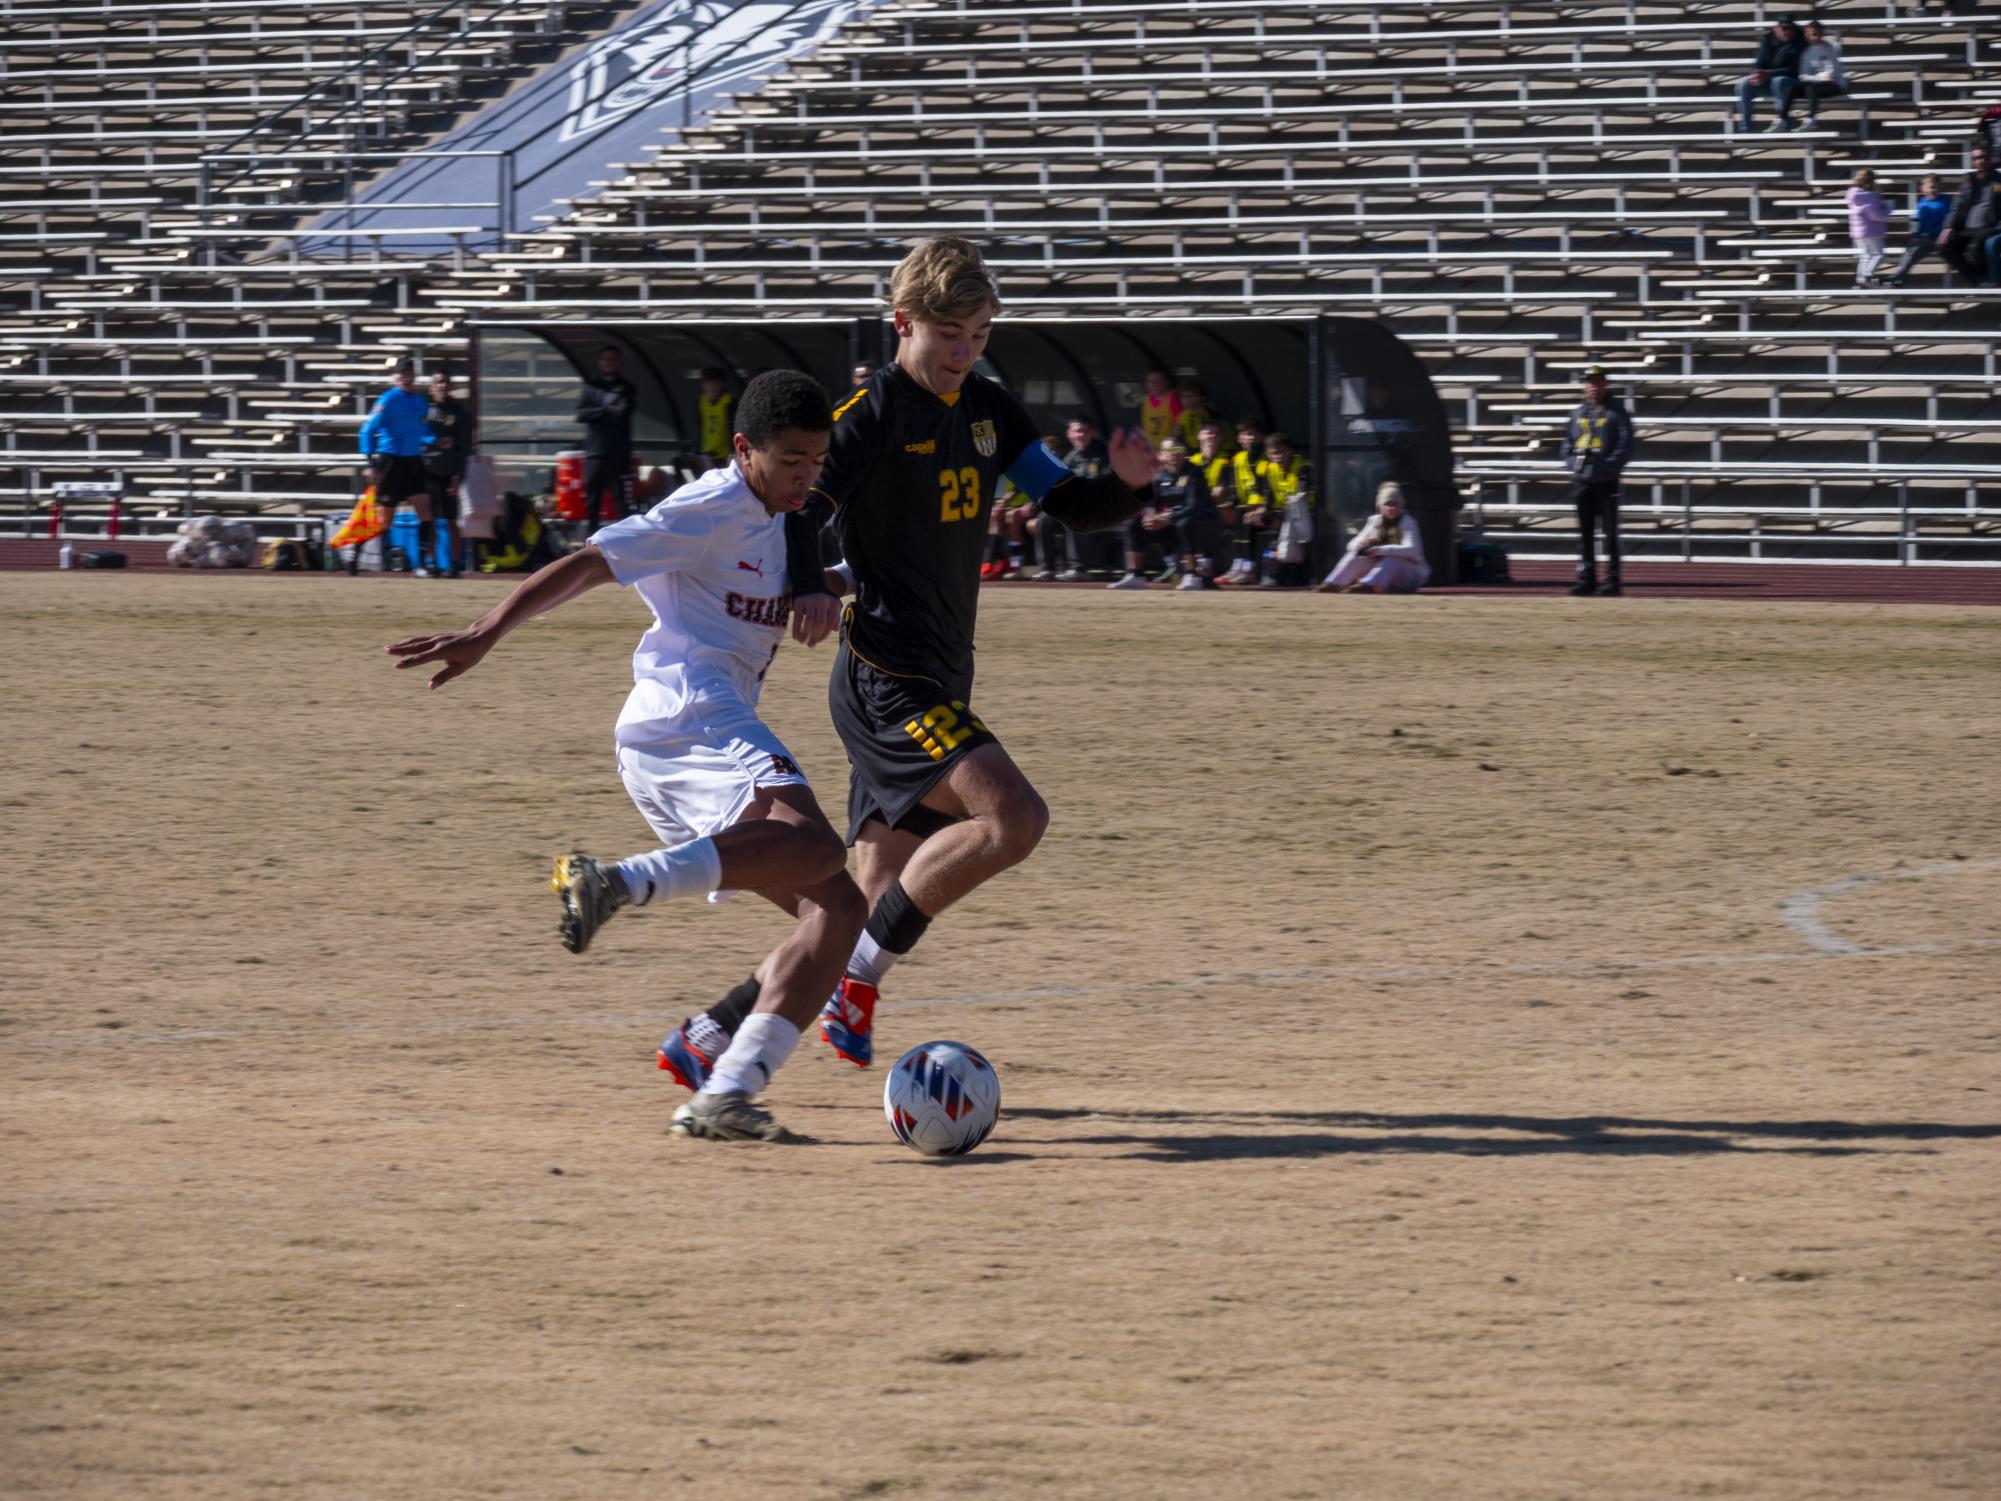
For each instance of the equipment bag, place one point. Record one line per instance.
(1483, 562)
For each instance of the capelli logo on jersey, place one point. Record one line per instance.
(927, 446)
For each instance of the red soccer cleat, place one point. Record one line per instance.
(847, 1022)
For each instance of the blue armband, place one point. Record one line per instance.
(1036, 471)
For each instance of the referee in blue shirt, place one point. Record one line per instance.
(393, 440)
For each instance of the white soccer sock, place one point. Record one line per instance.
(870, 960)
(692, 869)
(759, 1049)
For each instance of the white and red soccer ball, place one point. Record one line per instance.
(942, 1099)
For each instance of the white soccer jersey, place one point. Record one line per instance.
(710, 563)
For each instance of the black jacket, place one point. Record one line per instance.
(450, 423)
(1185, 498)
(1780, 59)
(605, 409)
(1597, 443)
(1976, 207)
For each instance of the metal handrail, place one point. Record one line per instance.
(357, 75)
(703, 14)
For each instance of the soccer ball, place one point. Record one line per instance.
(942, 1099)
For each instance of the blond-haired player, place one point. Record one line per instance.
(936, 806)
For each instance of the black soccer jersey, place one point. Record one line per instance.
(911, 479)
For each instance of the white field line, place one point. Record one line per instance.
(1802, 909)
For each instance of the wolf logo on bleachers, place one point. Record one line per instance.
(676, 49)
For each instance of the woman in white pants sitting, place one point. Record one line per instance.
(1387, 555)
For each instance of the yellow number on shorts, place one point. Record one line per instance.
(959, 491)
(942, 730)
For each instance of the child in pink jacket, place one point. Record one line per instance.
(1868, 225)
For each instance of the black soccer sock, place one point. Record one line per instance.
(729, 1012)
(896, 924)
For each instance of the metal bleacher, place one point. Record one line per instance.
(1519, 189)
(154, 329)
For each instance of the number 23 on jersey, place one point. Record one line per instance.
(959, 494)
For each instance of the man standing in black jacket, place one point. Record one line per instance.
(450, 422)
(1777, 72)
(1975, 216)
(605, 409)
(1597, 443)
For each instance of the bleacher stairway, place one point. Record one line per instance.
(1520, 189)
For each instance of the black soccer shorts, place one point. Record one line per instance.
(902, 734)
(400, 476)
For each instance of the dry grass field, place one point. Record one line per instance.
(1452, 1048)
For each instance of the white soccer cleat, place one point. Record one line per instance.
(729, 1116)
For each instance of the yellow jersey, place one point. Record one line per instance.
(1212, 471)
(1160, 418)
(1192, 420)
(1247, 471)
(1284, 481)
(715, 424)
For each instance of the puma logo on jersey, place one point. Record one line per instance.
(772, 610)
(756, 568)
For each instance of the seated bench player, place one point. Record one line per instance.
(726, 797)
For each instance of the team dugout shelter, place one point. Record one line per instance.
(1351, 395)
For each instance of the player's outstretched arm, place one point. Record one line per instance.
(1096, 505)
(540, 592)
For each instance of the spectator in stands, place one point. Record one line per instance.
(1387, 555)
(1254, 517)
(605, 409)
(712, 410)
(1820, 72)
(1927, 219)
(393, 439)
(1868, 225)
(1159, 408)
(1774, 72)
(1975, 217)
(1987, 131)
(1088, 458)
(1598, 443)
(1288, 481)
(450, 423)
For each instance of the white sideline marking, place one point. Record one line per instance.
(1080, 992)
(1802, 909)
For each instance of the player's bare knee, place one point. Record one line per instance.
(1018, 824)
(822, 855)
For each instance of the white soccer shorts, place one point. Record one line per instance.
(693, 785)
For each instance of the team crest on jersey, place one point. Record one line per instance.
(985, 439)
